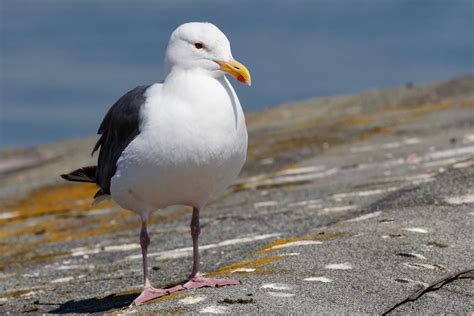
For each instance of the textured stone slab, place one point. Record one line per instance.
(347, 204)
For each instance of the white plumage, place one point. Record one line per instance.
(180, 142)
(192, 145)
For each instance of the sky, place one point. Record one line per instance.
(64, 63)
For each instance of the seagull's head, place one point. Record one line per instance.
(203, 47)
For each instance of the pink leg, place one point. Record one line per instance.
(144, 243)
(195, 280)
(149, 292)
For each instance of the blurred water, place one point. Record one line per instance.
(65, 62)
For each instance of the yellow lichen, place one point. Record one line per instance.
(278, 242)
(60, 213)
(257, 263)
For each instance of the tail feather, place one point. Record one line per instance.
(85, 174)
(100, 197)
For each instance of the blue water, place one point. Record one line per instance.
(64, 63)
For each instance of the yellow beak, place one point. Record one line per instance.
(236, 70)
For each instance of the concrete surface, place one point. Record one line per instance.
(346, 205)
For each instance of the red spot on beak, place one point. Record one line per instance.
(241, 78)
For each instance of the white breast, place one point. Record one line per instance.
(192, 145)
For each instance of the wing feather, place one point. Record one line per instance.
(120, 126)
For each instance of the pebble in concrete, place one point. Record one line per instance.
(418, 265)
(339, 266)
(318, 279)
(276, 286)
(192, 300)
(243, 270)
(214, 309)
(280, 294)
(416, 230)
(297, 243)
(460, 199)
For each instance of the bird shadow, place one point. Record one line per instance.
(103, 304)
(96, 305)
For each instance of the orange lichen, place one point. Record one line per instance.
(60, 213)
(32, 257)
(277, 242)
(18, 293)
(358, 120)
(257, 264)
(168, 297)
(374, 132)
(55, 199)
(418, 106)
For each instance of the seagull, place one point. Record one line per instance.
(180, 142)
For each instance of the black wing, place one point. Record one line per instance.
(120, 126)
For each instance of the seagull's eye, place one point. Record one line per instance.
(199, 45)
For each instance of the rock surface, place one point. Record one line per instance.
(346, 205)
